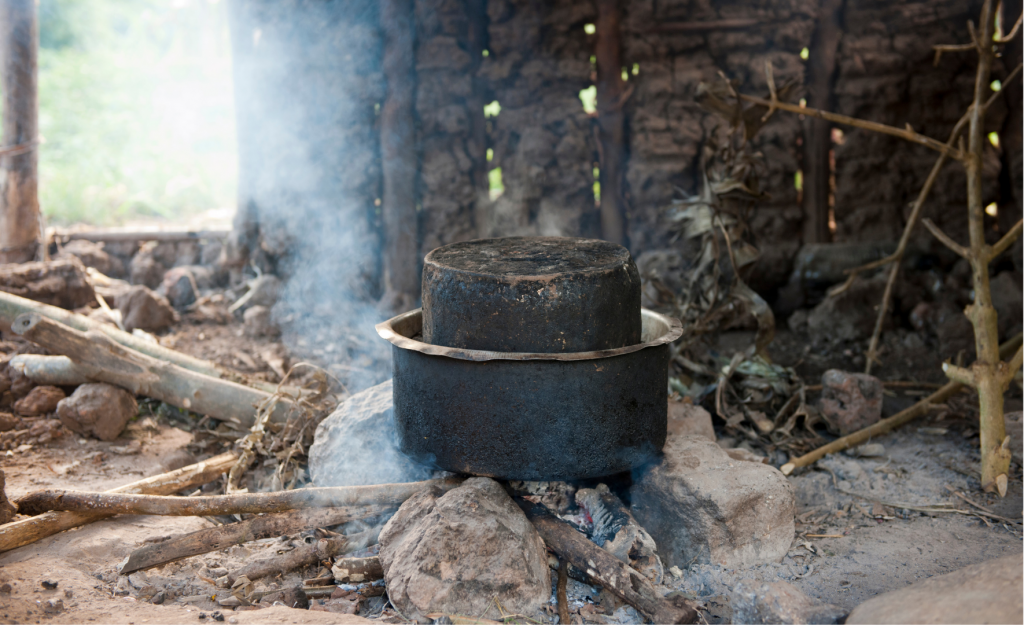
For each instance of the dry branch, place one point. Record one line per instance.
(26, 531)
(605, 569)
(893, 422)
(304, 555)
(12, 306)
(224, 536)
(99, 358)
(247, 503)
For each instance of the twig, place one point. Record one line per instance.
(248, 503)
(891, 423)
(224, 536)
(27, 531)
(563, 601)
(986, 511)
(945, 238)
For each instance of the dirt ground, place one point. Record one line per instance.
(848, 548)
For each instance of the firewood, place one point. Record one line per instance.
(304, 555)
(99, 358)
(224, 536)
(11, 306)
(357, 570)
(247, 503)
(49, 370)
(27, 531)
(60, 283)
(607, 570)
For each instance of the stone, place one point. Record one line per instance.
(463, 552)
(778, 602)
(849, 316)
(988, 592)
(7, 510)
(701, 506)
(62, 282)
(850, 401)
(362, 428)
(8, 421)
(1013, 421)
(144, 268)
(182, 285)
(144, 309)
(98, 410)
(257, 322)
(685, 418)
(93, 255)
(40, 400)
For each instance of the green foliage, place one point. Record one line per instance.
(135, 108)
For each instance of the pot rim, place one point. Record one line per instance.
(399, 329)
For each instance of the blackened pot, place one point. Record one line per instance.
(531, 416)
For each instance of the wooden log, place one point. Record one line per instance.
(99, 358)
(12, 306)
(303, 555)
(246, 503)
(117, 236)
(821, 71)
(19, 180)
(398, 154)
(224, 536)
(611, 120)
(357, 570)
(61, 282)
(27, 531)
(605, 569)
(49, 370)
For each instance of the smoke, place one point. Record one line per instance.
(308, 90)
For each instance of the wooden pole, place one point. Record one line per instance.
(398, 152)
(27, 531)
(19, 178)
(821, 70)
(611, 121)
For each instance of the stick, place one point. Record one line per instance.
(357, 570)
(563, 599)
(304, 555)
(11, 306)
(48, 370)
(606, 569)
(27, 531)
(217, 538)
(985, 511)
(893, 422)
(112, 236)
(99, 358)
(247, 503)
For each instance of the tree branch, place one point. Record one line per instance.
(945, 240)
(1005, 242)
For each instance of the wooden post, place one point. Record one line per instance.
(821, 70)
(398, 152)
(611, 121)
(19, 179)
(476, 42)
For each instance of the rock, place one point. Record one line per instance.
(143, 309)
(463, 552)
(988, 592)
(702, 506)
(62, 282)
(93, 255)
(7, 509)
(849, 316)
(685, 419)
(145, 269)
(258, 323)
(292, 597)
(8, 421)
(1013, 430)
(797, 322)
(98, 410)
(850, 401)
(40, 400)
(362, 427)
(778, 602)
(182, 285)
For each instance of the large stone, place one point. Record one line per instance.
(850, 401)
(702, 506)
(685, 419)
(358, 444)
(778, 602)
(464, 553)
(989, 592)
(98, 410)
(182, 285)
(40, 400)
(144, 309)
